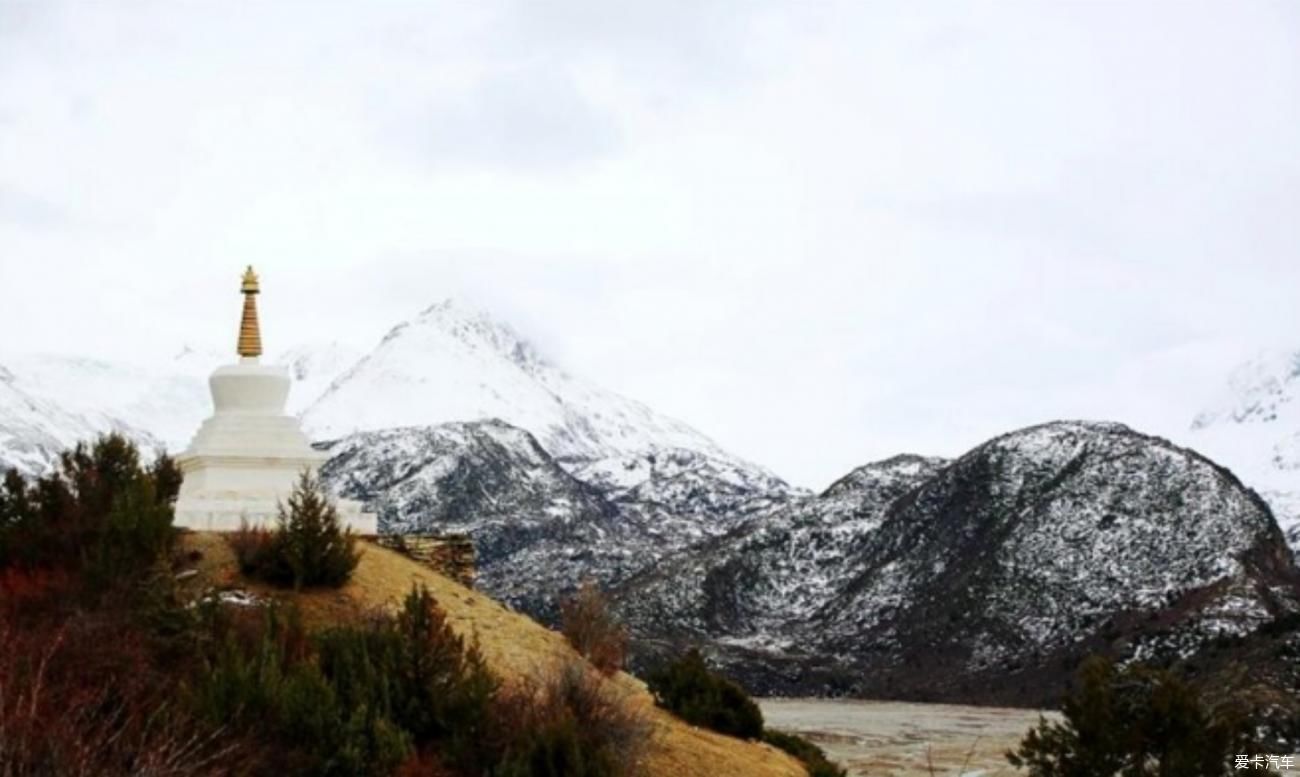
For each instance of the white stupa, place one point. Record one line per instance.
(245, 459)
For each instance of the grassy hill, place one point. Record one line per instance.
(514, 646)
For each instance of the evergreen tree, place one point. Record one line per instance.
(100, 514)
(311, 544)
(1133, 722)
(445, 686)
(15, 507)
(167, 478)
(687, 688)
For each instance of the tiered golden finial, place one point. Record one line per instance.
(250, 334)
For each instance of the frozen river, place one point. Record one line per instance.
(893, 739)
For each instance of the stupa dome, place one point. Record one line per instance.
(250, 388)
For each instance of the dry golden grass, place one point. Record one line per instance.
(514, 645)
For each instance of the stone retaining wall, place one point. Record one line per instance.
(450, 555)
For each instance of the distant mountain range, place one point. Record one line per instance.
(982, 578)
(450, 363)
(48, 403)
(539, 527)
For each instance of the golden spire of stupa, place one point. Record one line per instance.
(250, 335)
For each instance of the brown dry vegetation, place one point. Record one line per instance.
(515, 647)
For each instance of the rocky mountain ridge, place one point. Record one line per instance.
(981, 579)
(538, 528)
(34, 429)
(986, 578)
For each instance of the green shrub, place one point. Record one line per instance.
(412, 669)
(15, 508)
(101, 517)
(687, 688)
(554, 748)
(309, 546)
(1132, 721)
(255, 550)
(135, 535)
(444, 687)
(87, 617)
(356, 699)
(260, 680)
(812, 756)
(358, 663)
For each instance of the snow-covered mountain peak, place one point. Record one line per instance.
(454, 362)
(479, 329)
(1254, 428)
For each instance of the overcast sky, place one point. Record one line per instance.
(821, 233)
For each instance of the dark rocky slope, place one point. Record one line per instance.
(750, 591)
(985, 580)
(539, 530)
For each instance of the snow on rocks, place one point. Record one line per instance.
(1013, 561)
(538, 529)
(1254, 428)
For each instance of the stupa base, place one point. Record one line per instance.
(226, 514)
